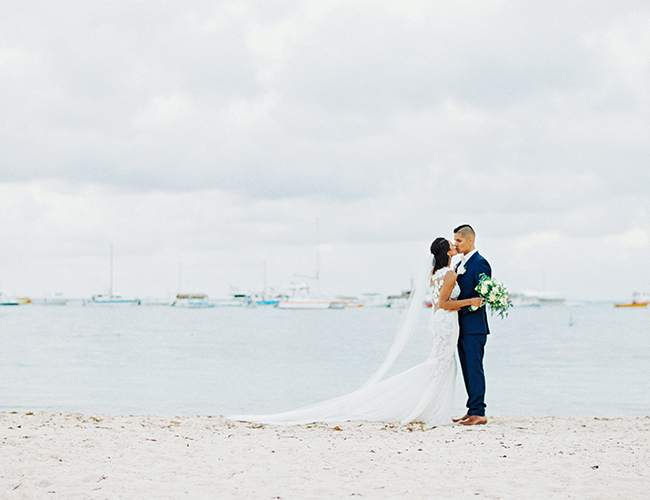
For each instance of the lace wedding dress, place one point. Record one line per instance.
(424, 393)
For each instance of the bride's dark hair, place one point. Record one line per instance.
(439, 250)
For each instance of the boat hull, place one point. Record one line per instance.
(304, 304)
(194, 304)
(113, 300)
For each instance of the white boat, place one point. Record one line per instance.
(8, 300)
(299, 296)
(523, 300)
(193, 301)
(364, 300)
(114, 300)
(109, 298)
(349, 301)
(57, 300)
(399, 301)
(233, 302)
(237, 298)
(534, 298)
(304, 304)
(155, 302)
(374, 300)
(265, 299)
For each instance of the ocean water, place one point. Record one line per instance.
(589, 360)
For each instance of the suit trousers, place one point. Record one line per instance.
(471, 349)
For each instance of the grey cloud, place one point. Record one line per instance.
(360, 101)
(380, 64)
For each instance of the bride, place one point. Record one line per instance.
(423, 393)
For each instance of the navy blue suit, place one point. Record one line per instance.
(473, 334)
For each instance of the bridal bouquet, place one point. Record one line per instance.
(495, 294)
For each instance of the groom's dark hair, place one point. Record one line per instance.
(465, 229)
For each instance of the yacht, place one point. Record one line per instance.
(110, 299)
(8, 300)
(300, 297)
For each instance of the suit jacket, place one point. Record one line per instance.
(473, 322)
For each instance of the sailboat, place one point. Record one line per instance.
(299, 295)
(110, 298)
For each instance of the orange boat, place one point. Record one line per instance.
(632, 304)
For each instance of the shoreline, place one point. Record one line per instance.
(70, 455)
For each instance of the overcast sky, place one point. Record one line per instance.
(204, 140)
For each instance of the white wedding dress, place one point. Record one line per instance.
(424, 393)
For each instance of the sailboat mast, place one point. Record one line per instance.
(318, 255)
(180, 277)
(265, 292)
(317, 276)
(110, 287)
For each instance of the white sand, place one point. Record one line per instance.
(71, 456)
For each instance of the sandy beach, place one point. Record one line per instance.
(45, 455)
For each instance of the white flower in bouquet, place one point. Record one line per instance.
(495, 294)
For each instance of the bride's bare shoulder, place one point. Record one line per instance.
(450, 276)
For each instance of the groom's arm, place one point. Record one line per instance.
(483, 267)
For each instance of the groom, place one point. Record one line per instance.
(473, 325)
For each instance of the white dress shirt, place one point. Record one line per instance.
(465, 258)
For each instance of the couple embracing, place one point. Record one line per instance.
(472, 322)
(425, 392)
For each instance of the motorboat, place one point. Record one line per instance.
(399, 301)
(8, 300)
(155, 302)
(113, 300)
(300, 297)
(57, 300)
(638, 300)
(374, 300)
(632, 304)
(237, 299)
(193, 301)
(524, 300)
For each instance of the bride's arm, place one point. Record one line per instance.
(446, 302)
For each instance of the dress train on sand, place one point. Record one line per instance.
(423, 393)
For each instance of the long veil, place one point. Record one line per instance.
(379, 399)
(409, 321)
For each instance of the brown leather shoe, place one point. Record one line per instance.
(464, 417)
(474, 420)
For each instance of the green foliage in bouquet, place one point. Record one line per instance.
(495, 294)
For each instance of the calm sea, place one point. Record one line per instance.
(589, 360)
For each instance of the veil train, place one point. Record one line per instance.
(404, 397)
